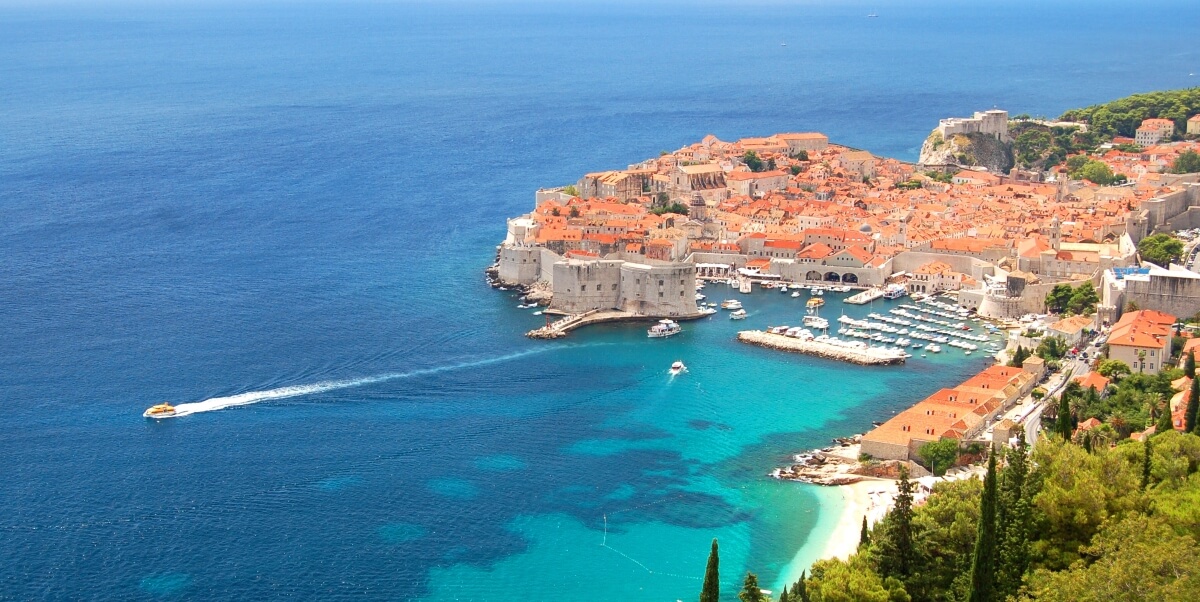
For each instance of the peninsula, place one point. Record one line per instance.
(792, 207)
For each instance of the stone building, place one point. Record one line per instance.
(992, 123)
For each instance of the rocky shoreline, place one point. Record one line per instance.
(836, 465)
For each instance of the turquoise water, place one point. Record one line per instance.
(280, 212)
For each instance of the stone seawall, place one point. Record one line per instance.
(865, 357)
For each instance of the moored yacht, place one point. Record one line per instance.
(731, 304)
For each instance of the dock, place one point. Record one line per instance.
(559, 328)
(862, 356)
(865, 297)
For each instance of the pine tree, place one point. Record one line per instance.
(1189, 420)
(864, 536)
(983, 566)
(751, 592)
(1062, 425)
(1189, 365)
(711, 591)
(1146, 463)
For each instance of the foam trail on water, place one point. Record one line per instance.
(241, 399)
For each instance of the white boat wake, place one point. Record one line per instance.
(241, 399)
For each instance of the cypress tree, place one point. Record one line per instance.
(711, 592)
(1189, 421)
(1012, 522)
(895, 551)
(1062, 425)
(1165, 421)
(983, 566)
(1146, 464)
(800, 589)
(864, 536)
(783, 595)
(751, 592)
(1189, 365)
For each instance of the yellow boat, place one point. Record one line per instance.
(815, 302)
(162, 410)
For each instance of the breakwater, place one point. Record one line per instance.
(866, 356)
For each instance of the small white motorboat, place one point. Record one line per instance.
(738, 315)
(677, 368)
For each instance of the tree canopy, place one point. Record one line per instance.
(1160, 249)
(1187, 162)
(1122, 117)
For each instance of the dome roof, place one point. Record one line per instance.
(865, 228)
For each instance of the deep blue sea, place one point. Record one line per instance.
(284, 209)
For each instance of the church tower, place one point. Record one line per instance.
(697, 209)
(1055, 233)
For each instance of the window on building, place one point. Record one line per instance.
(660, 294)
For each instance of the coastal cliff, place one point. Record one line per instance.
(967, 150)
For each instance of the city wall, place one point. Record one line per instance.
(1179, 297)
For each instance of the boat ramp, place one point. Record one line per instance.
(865, 356)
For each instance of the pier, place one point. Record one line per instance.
(865, 297)
(559, 328)
(865, 356)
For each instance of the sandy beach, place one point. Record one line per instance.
(857, 503)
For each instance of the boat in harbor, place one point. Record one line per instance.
(677, 368)
(162, 410)
(738, 315)
(815, 302)
(706, 310)
(731, 304)
(933, 348)
(795, 294)
(816, 322)
(664, 328)
(894, 291)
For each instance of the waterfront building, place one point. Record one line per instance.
(1193, 125)
(961, 413)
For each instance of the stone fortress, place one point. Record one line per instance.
(992, 123)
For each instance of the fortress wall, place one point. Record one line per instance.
(520, 265)
(581, 286)
(546, 271)
(658, 291)
(1179, 297)
(909, 261)
(736, 260)
(1185, 221)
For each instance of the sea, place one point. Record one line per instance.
(277, 214)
